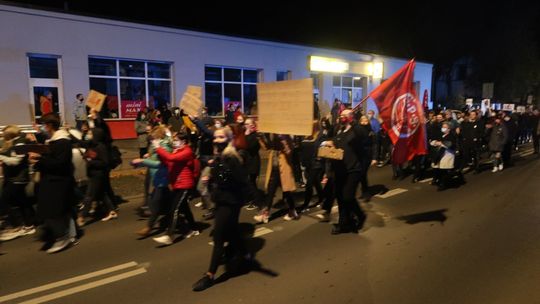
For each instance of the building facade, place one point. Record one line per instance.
(47, 58)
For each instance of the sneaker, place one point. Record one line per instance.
(62, 244)
(501, 167)
(8, 235)
(204, 283)
(192, 233)
(26, 230)
(112, 215)
(261, 218)
(199, 204)
(291, 216)
(164, 239)
(323, 217)
(495, 169)
(251, 207)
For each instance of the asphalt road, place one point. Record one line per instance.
(479, 243)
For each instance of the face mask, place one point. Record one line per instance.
(168, 133)
(177, 144)
(143, 117)
(176, 112)
(217, 125)
(444, 130)
(370, 116)
(344, 120)
(221, 146)
(506, 118)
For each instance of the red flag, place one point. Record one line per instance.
(402, 114)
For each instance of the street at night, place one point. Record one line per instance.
(478, 243)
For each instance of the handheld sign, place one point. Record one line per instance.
(191, 101)
(286, 107)
(95, 100)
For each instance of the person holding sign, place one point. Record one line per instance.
(278, 174)
(349, 173)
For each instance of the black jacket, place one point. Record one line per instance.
(16, 170)
(473, 132)
(228, 182)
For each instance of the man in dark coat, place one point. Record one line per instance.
(55, 197)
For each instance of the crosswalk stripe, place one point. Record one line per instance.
(391, 193)
(257, 233)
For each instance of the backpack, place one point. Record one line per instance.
(116, 157)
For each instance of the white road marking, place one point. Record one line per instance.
(84, 287)
(392, 193)
(426, 180)
(66, 282)
(258, 232)
(262, 231)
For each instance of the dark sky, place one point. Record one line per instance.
(428, 30)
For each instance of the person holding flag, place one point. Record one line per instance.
(402, 114)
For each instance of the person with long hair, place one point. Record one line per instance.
(182, 170)
(16, 178)
(230, 190)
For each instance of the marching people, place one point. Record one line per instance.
(279, 173)
(16, 179)
(97, 161)
(230, 190)
(55, 196)
(253, 160)
(157, 170)
(182, 168)
(348, 173)
(497, 139)
(444, 156)
(472, 135)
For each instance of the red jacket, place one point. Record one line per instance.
(181, 167)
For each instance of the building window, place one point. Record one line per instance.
(226, 85)
(130, 85)
(283, 75)
(45, 84)
(349, 89)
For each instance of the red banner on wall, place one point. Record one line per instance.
(130, 108)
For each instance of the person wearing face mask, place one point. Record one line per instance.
(253, 158)
(348, 173)
(157, 170)
(55, 196)
(445, 156)
(497, 139)
(80, 111)
(97, 164)
(183, 169)
(230, 189)
(141, 128)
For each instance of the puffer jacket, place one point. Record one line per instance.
(181, 167)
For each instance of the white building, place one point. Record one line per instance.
(137, 65)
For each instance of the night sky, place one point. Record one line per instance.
(430, 31)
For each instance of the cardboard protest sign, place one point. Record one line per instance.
(286, 107)
(95, 100)
(330, 152)
(194, 90)
(191, 101)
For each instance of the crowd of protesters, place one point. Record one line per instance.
(217, 163)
